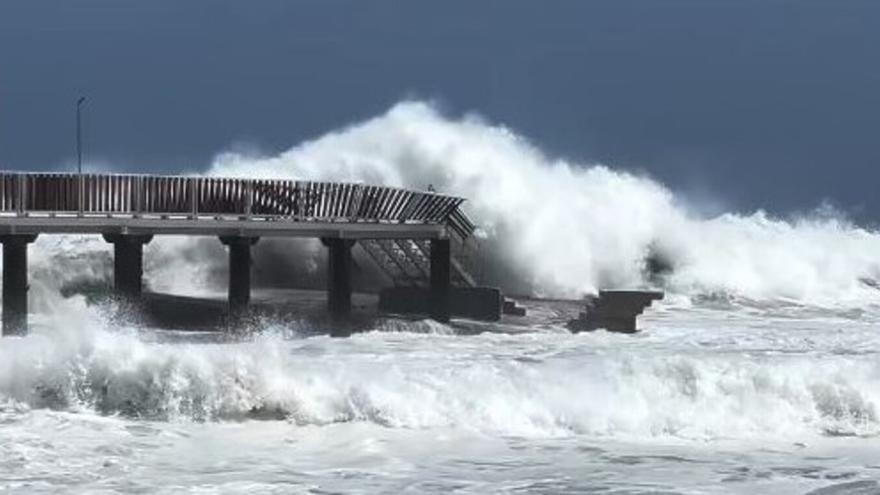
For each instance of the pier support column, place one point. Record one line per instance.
(239, 271)
(15, 283)
(128, 264)
(339, 276)
(440, 291)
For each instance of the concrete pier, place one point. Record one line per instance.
(439, 301)
(338, 277)
(128, 264)
(475, 303)
(15, 283)
(129, 209)
(239, 271)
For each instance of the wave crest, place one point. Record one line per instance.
(434, 381)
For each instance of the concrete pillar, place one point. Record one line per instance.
(128, 264)
(440, 291)
(339, 277)
(239, 271)
(15, 283)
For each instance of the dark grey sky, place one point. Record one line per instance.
(762, 103)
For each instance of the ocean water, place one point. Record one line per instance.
(759, 372)
(742, 399)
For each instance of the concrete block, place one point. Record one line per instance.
(614, 310)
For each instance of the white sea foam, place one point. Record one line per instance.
(584, 387)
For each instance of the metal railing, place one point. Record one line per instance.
(142, 195)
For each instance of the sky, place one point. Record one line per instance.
(751, 104)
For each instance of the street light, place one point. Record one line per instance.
(79, 155)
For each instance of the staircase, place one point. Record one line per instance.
(407, 262)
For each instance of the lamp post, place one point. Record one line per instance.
(79, 155)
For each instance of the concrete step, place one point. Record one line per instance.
(512, 308)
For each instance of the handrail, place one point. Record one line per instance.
(23, 193)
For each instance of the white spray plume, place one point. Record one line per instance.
(552, 227)
(568, 228)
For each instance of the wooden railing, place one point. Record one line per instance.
(142, 195)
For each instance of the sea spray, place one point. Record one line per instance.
(548, 227)
(560, 228)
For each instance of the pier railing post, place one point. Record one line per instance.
(15, 282)
(299, 198)
(80, 185)
(21, 196)
(248, 199)
(193, 197)
(356, 202)
(138, 205)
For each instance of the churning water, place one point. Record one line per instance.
(703, 401)
(758, 374)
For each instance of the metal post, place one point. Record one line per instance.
(300, 190)
(21, 181)
(249, 199)
(356, 202)
(79, 103)
(138, 196)
(193, 195)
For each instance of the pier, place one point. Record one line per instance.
(393, 225)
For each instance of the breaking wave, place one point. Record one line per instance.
(560, 228)
(418, 381)
(548, 227)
